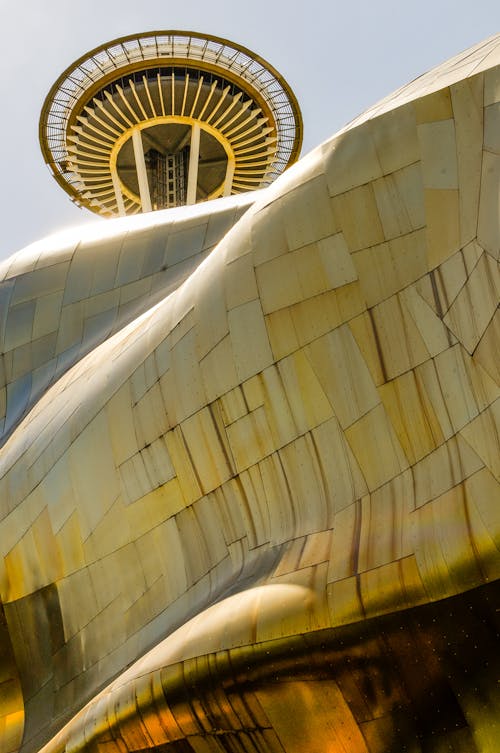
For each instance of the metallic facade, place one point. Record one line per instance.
(249, 480)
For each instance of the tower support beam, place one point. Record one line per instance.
(140, 165)
(118, 192)
(228, 180)
(194, 159)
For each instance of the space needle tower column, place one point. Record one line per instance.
(167, 118)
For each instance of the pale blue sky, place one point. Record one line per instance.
(339, 58)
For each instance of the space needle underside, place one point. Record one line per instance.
(166, 119)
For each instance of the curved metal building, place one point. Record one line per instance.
(249, 448)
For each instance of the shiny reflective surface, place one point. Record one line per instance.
(251, 502)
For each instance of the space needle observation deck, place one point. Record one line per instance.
(167, 118)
